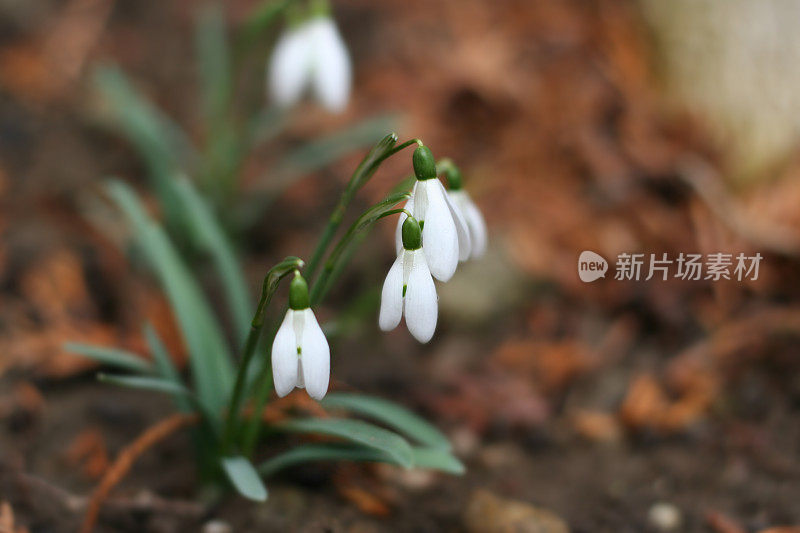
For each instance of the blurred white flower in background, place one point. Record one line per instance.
(311, 54)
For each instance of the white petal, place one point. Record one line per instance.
(421, 302)
(462, 230)
(477, 226)
(315, 356)
(331, 75)
(284, 357)
(392, 296)
(290, 66)
(398, 234)
(439, 237)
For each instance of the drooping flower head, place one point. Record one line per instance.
(300, 353)
(444, 231)
(311, 54)
(472, 215)
(409, 288)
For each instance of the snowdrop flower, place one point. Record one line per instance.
(301, 356)
(409, 288)
(311, 54)
(472, 215)
(445, 234)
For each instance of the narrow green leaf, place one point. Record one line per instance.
(257, 24)
(213, 60)
(355, 431)
(210, 357)
(437, 459)
(328, 451)
(312, 156)
(391, 414)
(111, 356)
(161, 357)
(433, 459)
(147, 383)
(210, 237)
(244, 478)
(164, 365)
(160, 142)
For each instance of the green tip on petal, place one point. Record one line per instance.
(298, 293)
(412, 234)
(424, 163)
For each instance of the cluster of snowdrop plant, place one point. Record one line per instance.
(245, 353)
(231, 397)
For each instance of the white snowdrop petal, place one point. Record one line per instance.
(421, 302)
(398, 234)
(392, 296)
(315, 357)
(284, 357)
(289, 67)
(477, 226)
(439, 236)
(462, 229)
(331, 73)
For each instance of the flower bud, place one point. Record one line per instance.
(424, 163)
(412, 234)
(298, 293)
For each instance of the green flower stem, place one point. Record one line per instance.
(361, 175)
(263, 384)
(268, 288)
(241, 377)
(340, 257)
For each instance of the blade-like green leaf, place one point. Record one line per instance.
(161, 357)
(257, 24)
(391, 414)
(147, 383)
(437, 459)
(111, 356)
(244, 478)
(214, 62)
(160, 142)
(210, 357)
(328, 451)
(317, 154)
(433, 459)
(355, 431)
(164, 365)
(210, 237)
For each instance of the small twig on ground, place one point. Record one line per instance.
(122, 464)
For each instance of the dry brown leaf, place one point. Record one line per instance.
(597, 426)
(722, 523)
(88, 449)
(645, 404)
